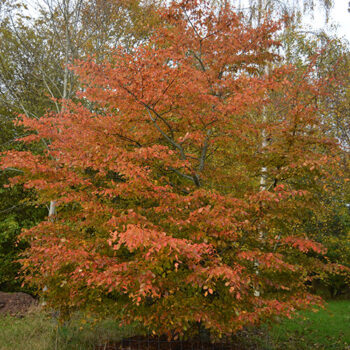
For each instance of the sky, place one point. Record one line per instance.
(339, 15)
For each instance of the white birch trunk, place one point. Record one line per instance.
(261, 9)
(52, 209)
(263, 176)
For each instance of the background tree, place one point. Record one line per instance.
(35, 50)
(259, 8)
(332, 224)
(16, 209)
(329, 223)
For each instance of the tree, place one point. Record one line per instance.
(36, 74)
(329, 223)
(34, 53)
(16, 209)
(157, 180)
(258, 8)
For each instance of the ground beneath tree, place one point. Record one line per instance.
(15, 303)
(154, 343)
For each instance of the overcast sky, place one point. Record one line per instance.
(339, 15)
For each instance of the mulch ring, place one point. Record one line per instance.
(154, 343)
(16, 304)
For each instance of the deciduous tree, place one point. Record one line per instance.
(160, 211)
(35, 49)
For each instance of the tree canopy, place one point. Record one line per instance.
(156, 169)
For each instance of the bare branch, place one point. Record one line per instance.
(13, 169)
(204, 152)
(168, 138)
(188, 177)
(125, 138)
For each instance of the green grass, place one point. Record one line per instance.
(31, 332)
(39, 331)
(328, 329)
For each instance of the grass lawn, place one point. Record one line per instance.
(327, 329)
(39, 331)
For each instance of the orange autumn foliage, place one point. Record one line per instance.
(156, 173)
